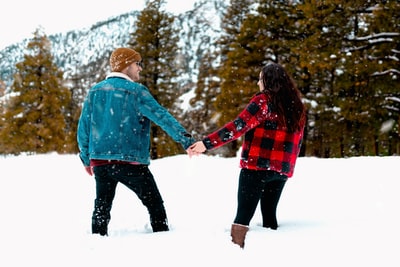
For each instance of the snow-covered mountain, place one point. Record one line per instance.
(83, 52)
(76, 49)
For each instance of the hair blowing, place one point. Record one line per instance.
(285, 96)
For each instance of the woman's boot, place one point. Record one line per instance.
(238, 234)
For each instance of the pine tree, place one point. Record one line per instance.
(367, 79)
(156, 40)
(233, 69)
(35, 119)
(230, 98)
(202, 114)
(262, 35)
(322, 26)
(380, 45)
(339, 57)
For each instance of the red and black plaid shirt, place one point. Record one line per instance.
(267, 144)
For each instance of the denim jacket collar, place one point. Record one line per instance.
(120, 75)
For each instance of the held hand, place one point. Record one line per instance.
(198, 147)
(89, 170)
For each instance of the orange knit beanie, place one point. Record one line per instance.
(122, 58)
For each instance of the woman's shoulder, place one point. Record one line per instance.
(260, 98)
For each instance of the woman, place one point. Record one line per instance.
(272, 125)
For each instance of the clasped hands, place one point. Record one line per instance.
(196, 149)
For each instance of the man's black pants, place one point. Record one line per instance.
(137, 178)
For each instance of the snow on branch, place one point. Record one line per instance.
(372, 39)
(391, 108)
(381, 35)
(393, 98)
(381, 73)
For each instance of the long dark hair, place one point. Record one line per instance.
(285, 96)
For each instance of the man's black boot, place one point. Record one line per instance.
(101, 217)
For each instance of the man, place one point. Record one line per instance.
(114, 139)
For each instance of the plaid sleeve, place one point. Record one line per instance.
(249, 118)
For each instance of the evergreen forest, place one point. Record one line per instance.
(343, 55)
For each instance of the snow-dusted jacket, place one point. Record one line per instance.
(115, 122)
(267, 144)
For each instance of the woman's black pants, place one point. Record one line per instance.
(259, 185)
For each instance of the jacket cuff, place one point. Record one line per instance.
(207, 143)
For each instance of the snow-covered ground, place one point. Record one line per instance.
(333, 212)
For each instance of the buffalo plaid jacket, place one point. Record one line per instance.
(267, 145)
